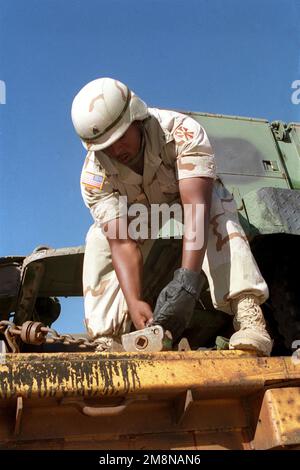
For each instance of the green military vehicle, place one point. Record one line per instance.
(57, 392)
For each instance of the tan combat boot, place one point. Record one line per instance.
(250, 326)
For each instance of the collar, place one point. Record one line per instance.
(155, 139)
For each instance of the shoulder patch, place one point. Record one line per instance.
(182, 134)
(92, 180)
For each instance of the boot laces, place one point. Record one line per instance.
(248, 314)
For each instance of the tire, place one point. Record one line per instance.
(278, 259)
(284, 303)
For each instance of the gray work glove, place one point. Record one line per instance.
(176, 302)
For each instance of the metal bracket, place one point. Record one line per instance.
(181, 405)
(3, 351)
(279, 130)
(12, 341)
(103, 411)
(19, 413)
(32, 279)
(151, 339)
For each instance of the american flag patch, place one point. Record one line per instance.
(92, 180)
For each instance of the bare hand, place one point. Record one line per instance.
(141, 314)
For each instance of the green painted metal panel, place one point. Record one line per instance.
(273, 210)
(248, 158)
(246, 152)
(290, 149)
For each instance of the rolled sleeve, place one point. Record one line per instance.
(195, 166)
(108, 208)
(195, 156)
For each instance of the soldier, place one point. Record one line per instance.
(155, 156)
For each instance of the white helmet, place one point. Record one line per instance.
(103, 110)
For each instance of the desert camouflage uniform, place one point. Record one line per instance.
(176, 147)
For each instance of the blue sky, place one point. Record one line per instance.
(219, 56)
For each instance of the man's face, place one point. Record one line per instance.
(128, 146)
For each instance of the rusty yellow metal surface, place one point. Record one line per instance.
(145, 424)
(279, 419)
(166, 400)
(208, 373)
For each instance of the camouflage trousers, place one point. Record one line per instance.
(228, 264)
